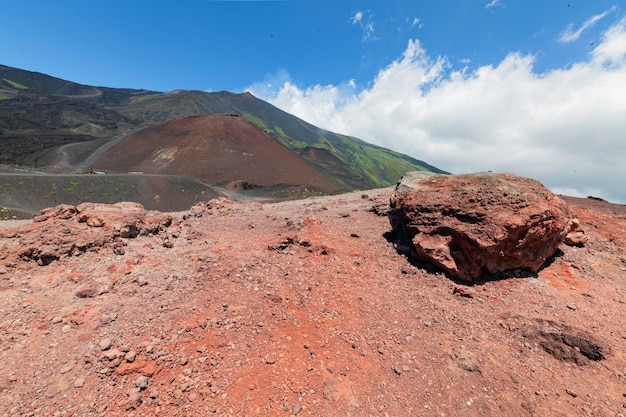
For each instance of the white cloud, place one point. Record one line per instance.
(565, 127)
(358, 16)
(612, 49)
(366, 21)
(416, 23)
(570, 35)
(493, 3)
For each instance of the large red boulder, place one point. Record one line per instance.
(476, 225)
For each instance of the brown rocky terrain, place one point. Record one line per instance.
(214, 149)
(299, 308)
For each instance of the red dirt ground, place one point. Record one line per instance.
(305, 308)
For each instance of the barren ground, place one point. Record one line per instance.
(305, 308)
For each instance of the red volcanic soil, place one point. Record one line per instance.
(299, 308)
(214, 149)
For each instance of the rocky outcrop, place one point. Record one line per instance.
(66, 230)
(476, 225)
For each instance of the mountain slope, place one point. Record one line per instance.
(215, 149)
(41, 117)
(360, 164)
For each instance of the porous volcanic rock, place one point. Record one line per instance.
(476, 225)
(66, 230)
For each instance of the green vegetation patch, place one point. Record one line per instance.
(139, 99)
(88, 129)
(16, 85)
(257, 122)
(5, 96)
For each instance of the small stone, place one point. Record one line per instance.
(106, 344)
(66, 329)
(297, 407)
(201, 349)
(57, 320)
(427, 324)
(107, 318)
(192, 396)
(571, 392)
(112, 354)
(87, 291)
(397, 369)
(66, 368)
(79, 382)
(134, 400)
(572, 307)
(269, 360)
(331, 390)
(130, 356)
(142, 382)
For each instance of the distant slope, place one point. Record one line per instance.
(39, 113)
(356, 163)
(215, 149)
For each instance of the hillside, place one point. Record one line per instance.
(52, 125)
(298, 308)
(214, 149)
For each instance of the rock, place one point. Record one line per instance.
(476, 225)
(66, 368)
(130, 356)
(142, 382)
(567, 343)
(65, 231)
(87, 291)
(133, 401)
(128, 219)
(105, 344)
(62, 211)
(331, 389)
(576, 238)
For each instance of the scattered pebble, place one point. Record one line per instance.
(106, 344)
(130, 356)
(142, 382)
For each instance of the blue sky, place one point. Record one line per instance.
(228, 45)
(526, 86)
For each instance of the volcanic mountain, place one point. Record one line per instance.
(215, 149)
(53, 126)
